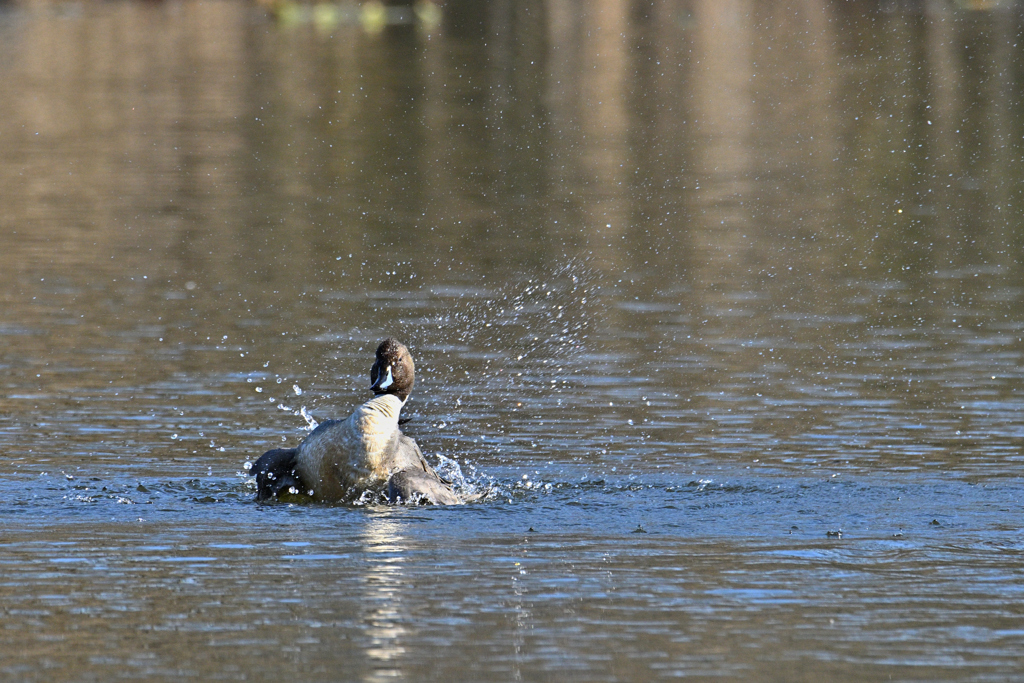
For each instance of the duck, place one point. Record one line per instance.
(341, 460)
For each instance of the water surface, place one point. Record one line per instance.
(721, 306)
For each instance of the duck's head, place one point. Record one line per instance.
(393, 371)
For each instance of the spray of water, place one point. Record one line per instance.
(481, 351)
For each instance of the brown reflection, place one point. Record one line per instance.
(969, 64)
(721, 72)
(189, 171)
(604, 158)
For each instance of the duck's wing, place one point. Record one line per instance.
(414, 480)
(414, 485)
(407, 455)
(275, 472)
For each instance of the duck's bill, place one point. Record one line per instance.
(384, 380)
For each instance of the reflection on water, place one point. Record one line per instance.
(385, 584)
(720, 302)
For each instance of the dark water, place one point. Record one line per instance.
(720, 303)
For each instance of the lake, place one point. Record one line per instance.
(718, 305)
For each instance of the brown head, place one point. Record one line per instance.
(393, 371)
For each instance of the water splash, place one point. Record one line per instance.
(519, 322)
(472, 487)
(311, 422)
(479, 350)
